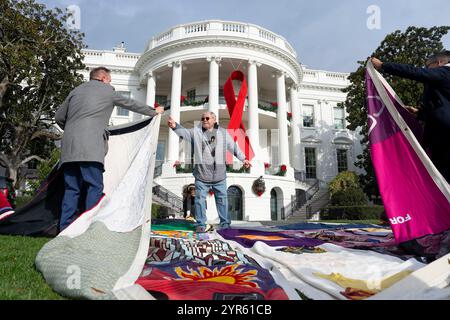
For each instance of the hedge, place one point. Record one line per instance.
(351, 213)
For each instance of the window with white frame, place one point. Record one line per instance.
(339, 118)
(308, 116)
(310, 163)
(121, 112)
(190, 95)
(160, 99)
(342, 160)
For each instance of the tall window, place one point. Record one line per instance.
(161, 100)
(339, 118)
(308, 116)
(121, 111)
(342, 160)
(310, 163)
(190, 95)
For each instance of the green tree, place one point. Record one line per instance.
(412, 46)
(39, 63)
(43, 169)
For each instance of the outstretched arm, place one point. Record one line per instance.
(411, 72)
(180, 130)
(233, 147)
(136, 106)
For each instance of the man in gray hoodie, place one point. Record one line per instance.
(210, 144)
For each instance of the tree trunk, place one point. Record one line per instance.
(3, 87)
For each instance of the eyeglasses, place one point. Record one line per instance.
(205, 118)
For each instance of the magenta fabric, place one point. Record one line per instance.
(414, 204)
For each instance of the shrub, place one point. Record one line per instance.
(351, 212)
(343, 181)
(352, 196)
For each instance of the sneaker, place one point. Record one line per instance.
(204, 229)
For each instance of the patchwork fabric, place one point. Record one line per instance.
(208, 253)
(247, 238)
(193, 281)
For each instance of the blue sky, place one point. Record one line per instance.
(327, 35)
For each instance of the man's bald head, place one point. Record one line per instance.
(101, 73)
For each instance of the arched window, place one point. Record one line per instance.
(235, 203)
(273, 205)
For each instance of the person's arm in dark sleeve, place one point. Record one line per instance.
(414, 73)
(133, 105)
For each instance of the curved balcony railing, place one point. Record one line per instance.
(236, 167)
(201, 100)
(221, 28)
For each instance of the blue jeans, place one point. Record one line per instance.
(221, 197)
(75, 175)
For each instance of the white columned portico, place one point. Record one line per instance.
(282, 119)
(295, 128)
(175, 96)
(253, 116)
(213, 98)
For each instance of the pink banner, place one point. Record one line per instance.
(414, 194)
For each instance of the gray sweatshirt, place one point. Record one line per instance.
(209, 149)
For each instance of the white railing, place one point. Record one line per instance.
(198, 27)
(163, 37)
(267, 35)
(126, 56)
(234, 27)
(337, 76)
(224, 28)
(324, 76)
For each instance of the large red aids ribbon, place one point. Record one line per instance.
(236, 109)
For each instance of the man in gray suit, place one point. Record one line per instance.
(84, 117)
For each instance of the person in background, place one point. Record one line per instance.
(435, 110)
(189, 203)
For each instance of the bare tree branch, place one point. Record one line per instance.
(47, 134)
(31, 158)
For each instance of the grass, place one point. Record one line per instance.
(19, 279)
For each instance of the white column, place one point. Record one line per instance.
(174, 141)
(213, 99)
(295, 128)
(282, 120)
(253, 116)
(151, 89)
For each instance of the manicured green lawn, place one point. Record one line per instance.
(19, 279)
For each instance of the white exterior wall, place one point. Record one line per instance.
(318, 88)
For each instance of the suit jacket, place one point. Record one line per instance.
(84, 117)
(435, 110)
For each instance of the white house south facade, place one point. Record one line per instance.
(291, 112)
